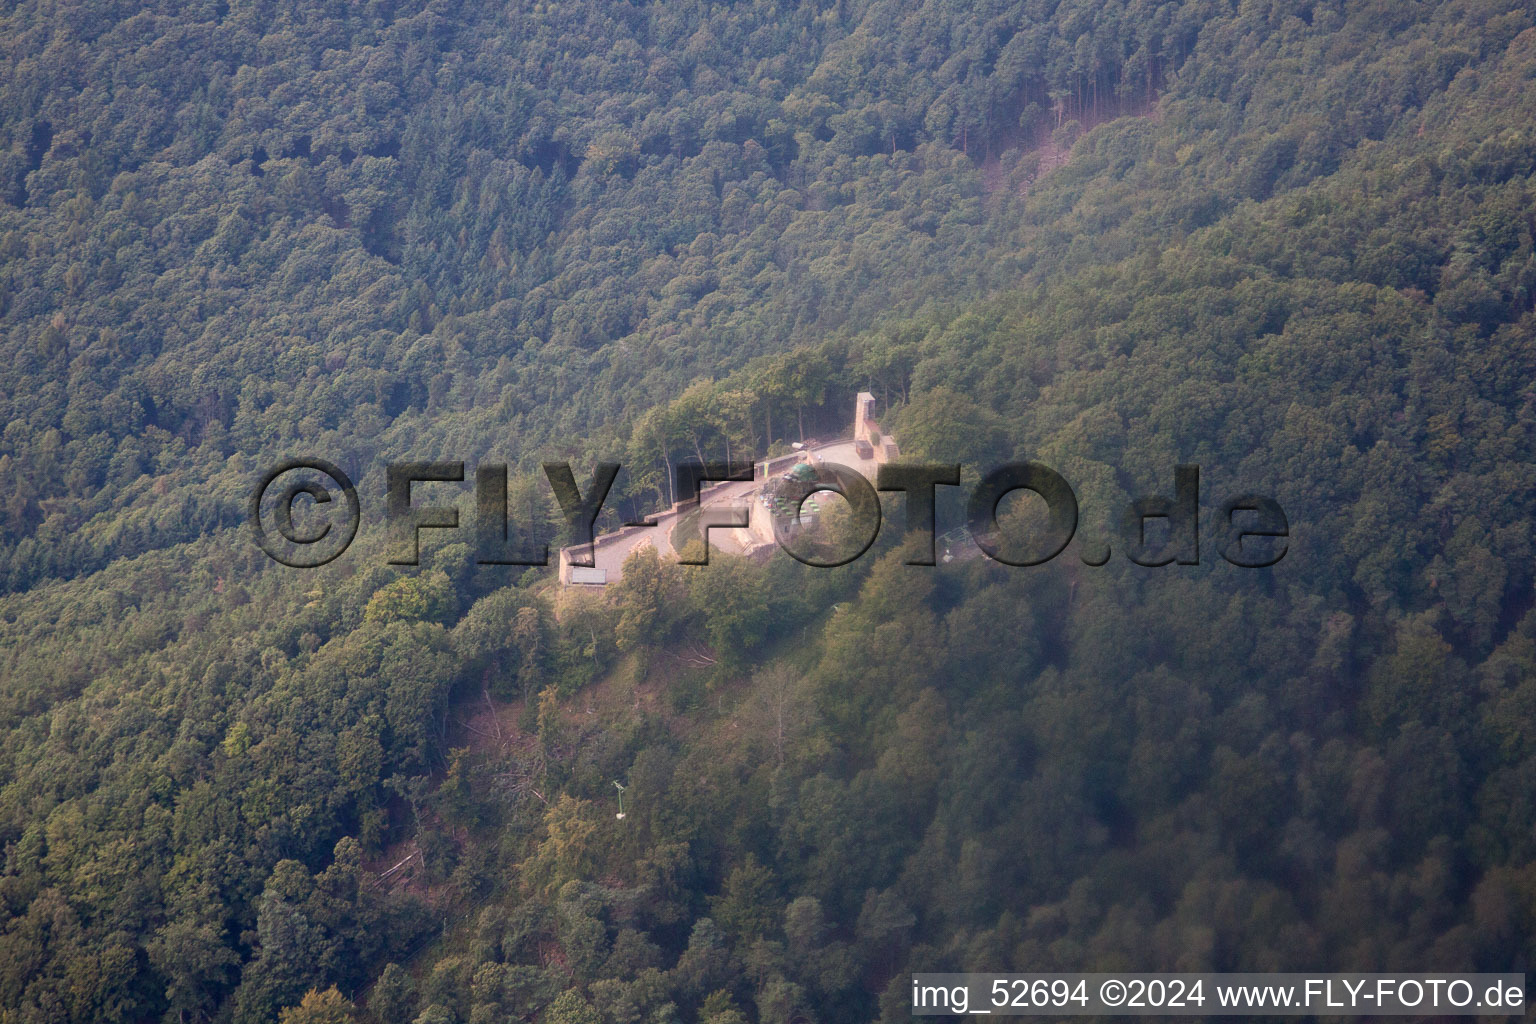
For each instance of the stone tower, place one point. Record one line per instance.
(866, 431)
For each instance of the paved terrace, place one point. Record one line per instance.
(611, 549)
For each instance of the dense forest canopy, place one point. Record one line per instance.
(1290, 241)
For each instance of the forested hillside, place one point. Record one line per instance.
(1289, 241)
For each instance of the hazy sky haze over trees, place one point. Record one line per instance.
(1290, 241)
